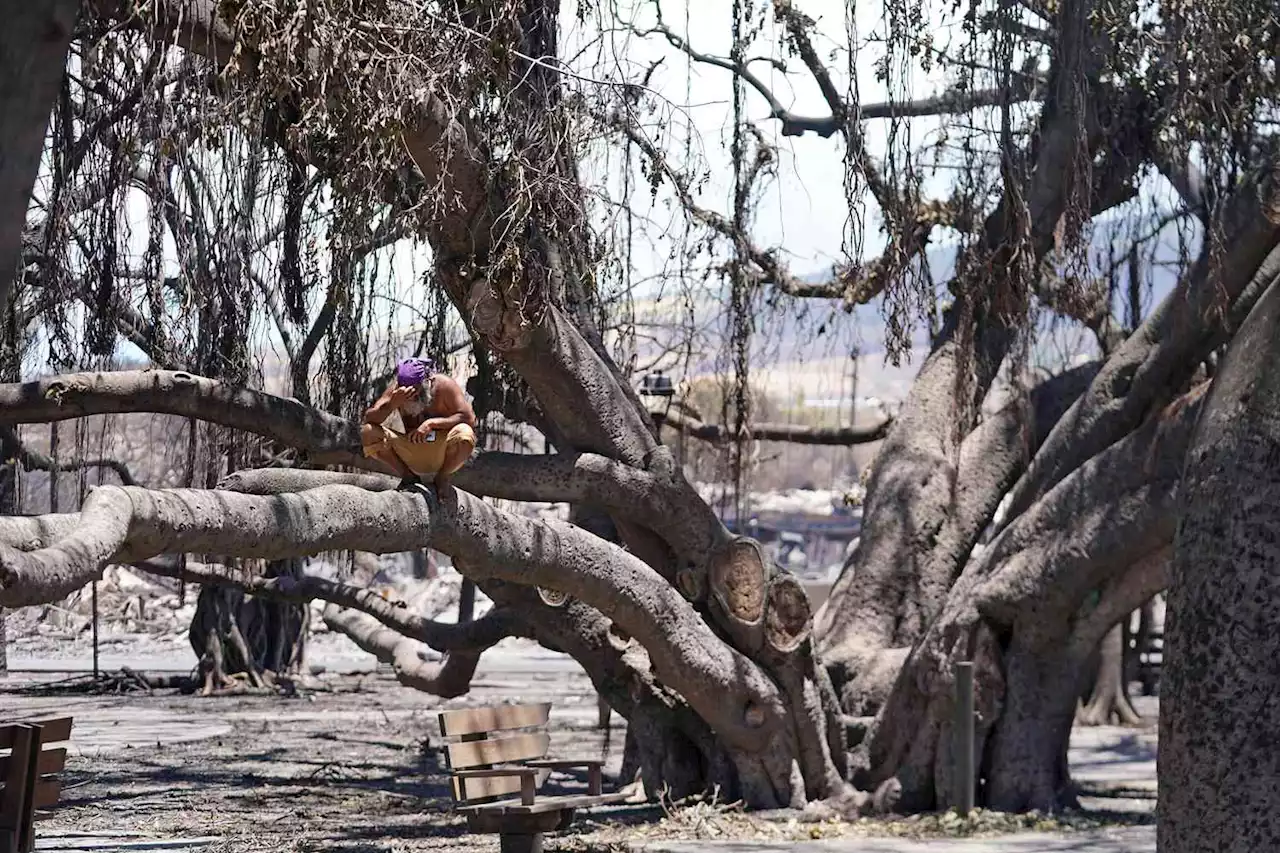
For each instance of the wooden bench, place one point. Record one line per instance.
(491, 761)
(30, 761)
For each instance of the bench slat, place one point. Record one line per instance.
(470, 721)
(465, 790)
(546, 804)
(51, 761)
(51, 731)
(460, 756)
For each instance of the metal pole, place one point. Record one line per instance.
(95, 630)
(962, 737)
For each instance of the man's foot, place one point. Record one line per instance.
(427, 490)
(443, 487)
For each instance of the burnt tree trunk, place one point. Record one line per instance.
(1017, 612)
(1219, 721)
(1108, 701)
(257, 639)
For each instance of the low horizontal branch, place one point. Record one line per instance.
(448, 678)
(129, 524)
(792, 433)
(175, 392)
(484, 632)
(575, 478)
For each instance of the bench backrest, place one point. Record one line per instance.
(501, 734)
(32, 754)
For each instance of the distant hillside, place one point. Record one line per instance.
(806, 346)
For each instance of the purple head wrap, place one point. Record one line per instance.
(414, 371)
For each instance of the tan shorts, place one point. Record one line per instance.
(427, 457)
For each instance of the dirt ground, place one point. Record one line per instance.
(353, 761)
(356, 765)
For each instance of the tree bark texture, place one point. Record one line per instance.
(33, 53)
(1219, 770)
(1013, 612)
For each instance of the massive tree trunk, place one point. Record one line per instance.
(33, 53)
(1014, 613)
(1218, 716)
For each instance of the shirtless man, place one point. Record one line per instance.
(422, 426)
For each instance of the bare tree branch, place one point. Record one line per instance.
(35, 461)
(482, 633)
(1119, 504)
(856, 284)
(76, 395)
(1119, 597)
(1164, 351)
(792, 433)
(448, 678)
(792, 124)
(955, 101)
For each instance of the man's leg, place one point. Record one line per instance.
(375, 446)
(458, 447)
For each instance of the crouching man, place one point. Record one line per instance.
(422, 426)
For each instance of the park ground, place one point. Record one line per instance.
(351, 763)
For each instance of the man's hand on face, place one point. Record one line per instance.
(428, 426)
(404, 394)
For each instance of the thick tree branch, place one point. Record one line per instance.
(1025, 88)
(1165, 350)
(76, 395)
(572, 478)
(1111, 512)
(1119, 597)
(129, 524)
(448, 678)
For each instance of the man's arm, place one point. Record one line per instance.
(382, 407)
(449, 397)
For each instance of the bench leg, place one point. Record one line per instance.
(513, 843)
